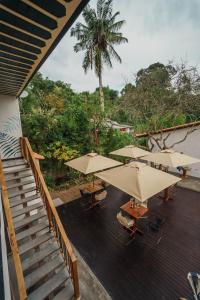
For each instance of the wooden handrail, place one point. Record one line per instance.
(54, 220)
(12, 236)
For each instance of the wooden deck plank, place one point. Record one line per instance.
(154, 266)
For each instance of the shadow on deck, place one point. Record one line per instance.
(155, 265)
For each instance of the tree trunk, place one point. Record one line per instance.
(101, 95)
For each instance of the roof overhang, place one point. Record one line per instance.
(29, 32)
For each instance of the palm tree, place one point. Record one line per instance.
(97, 37)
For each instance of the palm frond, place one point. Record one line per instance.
(87, 61)
(114, 54)
(79, 30)
(100, 5)
(117, 25)
(112, 19)
(116, 38)
(107, 59)
(89, 15)
(80, 46)
(107, 9)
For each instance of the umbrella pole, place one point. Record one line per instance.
(93, 180)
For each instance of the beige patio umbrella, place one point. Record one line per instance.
(138, 180)
(170, 158)
(130, 151)
(92, 162)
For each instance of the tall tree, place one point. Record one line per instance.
(97, 37)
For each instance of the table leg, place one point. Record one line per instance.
(184, 175)
(166, 196)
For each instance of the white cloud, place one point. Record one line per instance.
(157, 30)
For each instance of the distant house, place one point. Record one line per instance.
(121, 127)
(190, 145)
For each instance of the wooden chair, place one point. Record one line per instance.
(158, 222)
(127, 223)
(101, 196)
(84, 195)
(98, 199)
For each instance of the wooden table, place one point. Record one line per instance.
(93, 188)
(136, 212)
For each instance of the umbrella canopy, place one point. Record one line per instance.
(171, 158)
(92, 162)
(130, 151)
(138, 180)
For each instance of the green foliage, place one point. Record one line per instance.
(59, 151)
(62, 124)
(161, 96)
(113, 139)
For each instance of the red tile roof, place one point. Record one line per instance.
(186, 125)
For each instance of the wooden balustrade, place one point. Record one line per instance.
(54, 220)
(12, 236)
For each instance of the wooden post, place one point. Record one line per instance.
(75, 280)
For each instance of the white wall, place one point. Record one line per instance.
(10, 127)
(191, 146)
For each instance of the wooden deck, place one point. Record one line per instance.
(153, 266)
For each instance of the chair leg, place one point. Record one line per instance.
(139, 231)
(132, 235)
(129, 242)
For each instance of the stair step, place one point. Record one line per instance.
(16, 170)
(32, 230)
(15, 185)
(27, 209)
(14, 162)
(21, 176)
(22, 192)
(27, 220)
(35, 242)
(67, 293)
(48, 287)
(17, 202)
(44, 270)
(39, 256)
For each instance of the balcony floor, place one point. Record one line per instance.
(146, 268)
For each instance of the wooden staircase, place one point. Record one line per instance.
(46, 267)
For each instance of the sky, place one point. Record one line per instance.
(157, 30)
